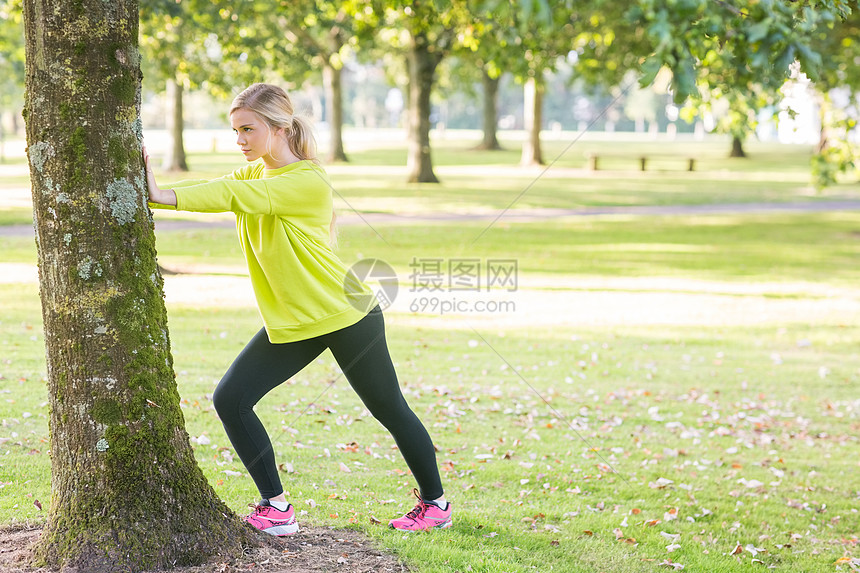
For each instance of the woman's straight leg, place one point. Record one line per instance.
(362, 353)
(259, 368)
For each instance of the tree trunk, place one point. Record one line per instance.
(491, 99)
(823, 114)
(334, 110)
(532, 104)
(174, 160)
(737, 147)
(422, 69)
(127, 494)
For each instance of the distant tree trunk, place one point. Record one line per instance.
(533, 104)
(737, 147)
(174, 160)
(491, 98)
(334, 110)
(127, 494)
(407, 99)
(422, 69)
(823, 116)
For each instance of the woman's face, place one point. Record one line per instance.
(252, 135)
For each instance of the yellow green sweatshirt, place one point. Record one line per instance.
(283, 217)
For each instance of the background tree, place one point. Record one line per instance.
(183, 42)
(426, 31)
(839, 45)
(126, 491)
(482, 60)
(322, 33)
(740, 53)
(547, 37)
(11, 69)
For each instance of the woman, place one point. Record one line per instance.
(284, 217)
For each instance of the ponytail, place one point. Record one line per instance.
(300, 137)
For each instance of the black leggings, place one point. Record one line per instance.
(362, 354)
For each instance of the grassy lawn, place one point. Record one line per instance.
(815, 247)
(563, 447)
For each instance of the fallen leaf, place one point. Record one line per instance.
(660, 483)
(737, 549)
(38, 504)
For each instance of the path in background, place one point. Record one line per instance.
(514, 215)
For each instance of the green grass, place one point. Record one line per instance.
(551, 439)
(533, 483)
(779, 247)
(705, 407)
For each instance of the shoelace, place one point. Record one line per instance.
(419, 510)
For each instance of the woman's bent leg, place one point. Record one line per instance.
(362, 353)
(259, 368)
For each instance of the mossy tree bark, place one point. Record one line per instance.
(127, 493)
(423, 60)
(532, 119)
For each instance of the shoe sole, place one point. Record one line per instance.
(282, 530)
(443, 525)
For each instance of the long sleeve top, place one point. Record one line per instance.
(282, 218)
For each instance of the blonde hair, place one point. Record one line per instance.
(272, 104)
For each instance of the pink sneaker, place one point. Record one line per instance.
(423, 516)
(272, 520)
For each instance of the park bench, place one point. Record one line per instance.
(594, 159)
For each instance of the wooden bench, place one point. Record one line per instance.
(594, 160)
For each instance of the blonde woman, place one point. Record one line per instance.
(283, 205)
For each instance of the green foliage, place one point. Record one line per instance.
(837, 154)
(11, 55)
(755, 43)
(197, 43)
(839, 45)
